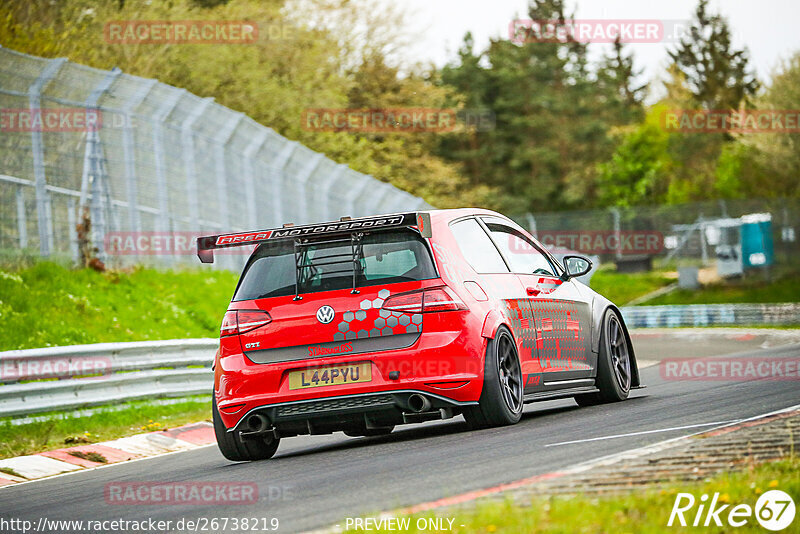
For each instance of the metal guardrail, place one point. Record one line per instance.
(711, 315)
(180, 368)
(122, 372)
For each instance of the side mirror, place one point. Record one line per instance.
(576, 266)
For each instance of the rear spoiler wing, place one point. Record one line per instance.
(207, 244)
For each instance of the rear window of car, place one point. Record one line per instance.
(386, 257)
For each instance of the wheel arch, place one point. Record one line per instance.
(600, 307)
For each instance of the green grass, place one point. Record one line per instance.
(752, 289)
(621, 288)
(105, 424)
(46, 304)
(640, 511)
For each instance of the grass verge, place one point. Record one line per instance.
(753, 289)
(621, 288)
(65, 430)
(640, 511)
(46, 304)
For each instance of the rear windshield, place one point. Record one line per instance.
(387, 257)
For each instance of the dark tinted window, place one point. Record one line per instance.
(387, 257)
(477, 248)
(521, 253)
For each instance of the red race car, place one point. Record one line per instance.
(362, 324)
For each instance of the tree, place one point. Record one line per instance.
(639, 170)
(717, 74)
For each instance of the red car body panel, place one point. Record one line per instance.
(551, 321)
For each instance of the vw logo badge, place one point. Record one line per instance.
(325, 314)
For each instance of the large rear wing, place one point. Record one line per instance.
(344, 226)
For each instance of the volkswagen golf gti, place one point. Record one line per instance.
(362, 324)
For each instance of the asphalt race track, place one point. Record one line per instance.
(317, 481)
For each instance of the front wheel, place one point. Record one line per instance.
(235, 449)
(501, 398)
(613, 364)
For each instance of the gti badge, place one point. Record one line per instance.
(325, 314)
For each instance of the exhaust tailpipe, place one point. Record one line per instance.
(419, 403)
(257, 424)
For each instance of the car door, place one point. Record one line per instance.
(557, 314)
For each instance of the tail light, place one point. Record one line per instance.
(435, 299)
(241, 321)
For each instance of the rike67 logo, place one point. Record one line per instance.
(774, 510)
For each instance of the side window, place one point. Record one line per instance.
(522, 255)
(477, 248)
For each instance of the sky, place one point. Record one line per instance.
(770, 29)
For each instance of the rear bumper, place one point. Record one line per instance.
(367, 410)
(445, 366)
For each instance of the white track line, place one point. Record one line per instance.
(733, 421)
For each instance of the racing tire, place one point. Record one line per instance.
(613, 364)
(369, 432)
(235, 449)
(501, 399)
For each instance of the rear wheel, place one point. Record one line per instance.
(613, 364)
(501, 398)
(235, 449)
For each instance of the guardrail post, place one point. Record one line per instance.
(22, 221)
(129, 150)
(327, 186)
(158, 119)
(188, 161)
(302, 180)
(45, 220)
(250, 177)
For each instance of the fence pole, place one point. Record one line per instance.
(380, 200)
(222, 140)
(158, 155)
(250, 177)
(277, 180)
(302, 180)
(189, 161)
(22, 221)
(45, 220)
(72, 231)
(93, 165)
(129, 150)
(326, 188)
(354, 199)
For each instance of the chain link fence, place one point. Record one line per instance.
(699, 234)
(152, 166)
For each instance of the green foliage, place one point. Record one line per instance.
(716, 73)
(48, 305)
(568, 133)
(639, 169)
(553, 113)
